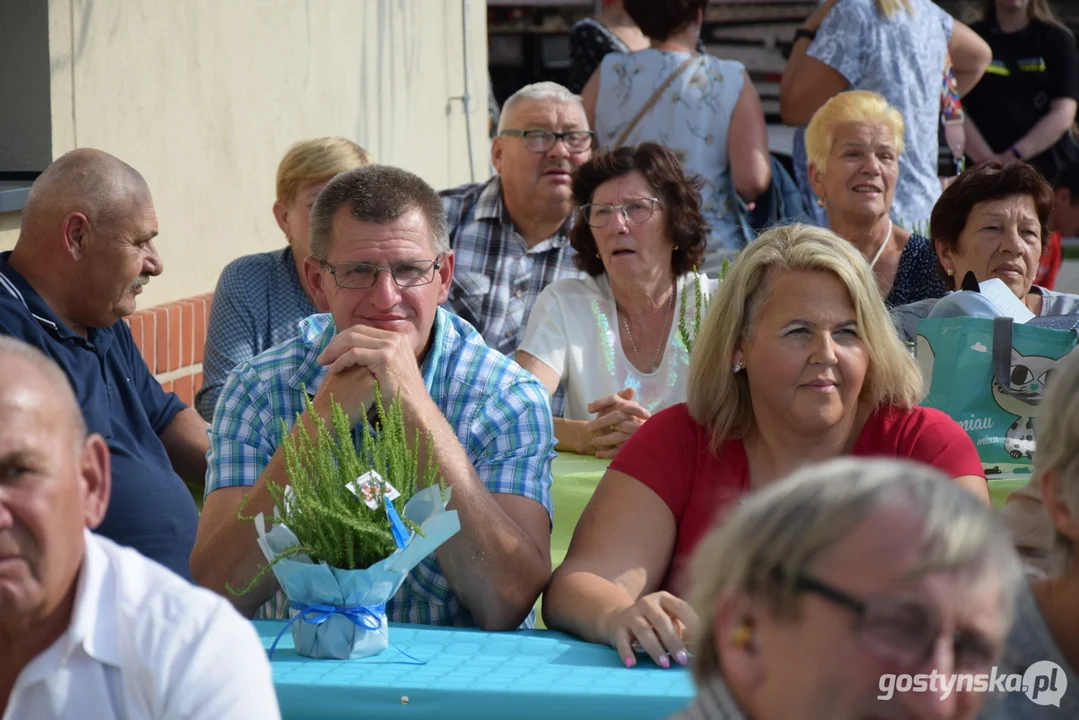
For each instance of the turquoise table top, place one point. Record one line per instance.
(523, 675)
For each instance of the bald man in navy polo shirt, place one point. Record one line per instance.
(84, 253)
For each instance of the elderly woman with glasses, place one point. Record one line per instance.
(823, 592)
(612, 340)
(797, 362)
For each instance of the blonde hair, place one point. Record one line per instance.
(719, 399)
(847, 107)
(889, 8)
(764, 546)
(315, 161)
(1058, 437)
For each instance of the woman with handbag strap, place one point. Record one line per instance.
(704, 109)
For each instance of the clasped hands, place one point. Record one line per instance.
(617, 417)
(358, 357)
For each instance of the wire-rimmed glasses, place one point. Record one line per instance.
(540, 141)
(360, 276)
(635, 211)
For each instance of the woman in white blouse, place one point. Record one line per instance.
(612, 340)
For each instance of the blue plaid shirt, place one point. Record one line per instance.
(257, 304)
(499, 412)
(497, 277)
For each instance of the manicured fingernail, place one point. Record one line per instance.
(664, 662)
(681, 657)
(630, 662)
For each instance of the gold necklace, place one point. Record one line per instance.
(662, 337)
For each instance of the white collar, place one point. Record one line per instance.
(93, 619)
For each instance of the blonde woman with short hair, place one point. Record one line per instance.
(821, 586)
(854, 143)
(797, 362)
(892, 47)
(260, 298)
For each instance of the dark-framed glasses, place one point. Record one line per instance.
(904, 631)
(360, 276)
(540, 141)
(635, 211)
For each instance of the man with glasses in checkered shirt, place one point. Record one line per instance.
(380, 266)
(511, 233)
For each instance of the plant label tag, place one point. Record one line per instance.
(372, 487)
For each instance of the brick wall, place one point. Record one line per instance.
(171, 338)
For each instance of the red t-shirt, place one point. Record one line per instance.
(670, 455)
(1051, 260)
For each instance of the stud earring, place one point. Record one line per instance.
(950, 272)
(742, 635)
(738, 367)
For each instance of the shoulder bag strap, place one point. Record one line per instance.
(653, 100)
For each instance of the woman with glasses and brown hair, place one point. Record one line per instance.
(797, 362)
(822, 595)
(611, 339)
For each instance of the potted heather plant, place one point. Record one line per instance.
(339, 547)
(687, 333)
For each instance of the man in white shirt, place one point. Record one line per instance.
(89, 629)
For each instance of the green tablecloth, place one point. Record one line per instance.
(1000, 489)
(575, 477)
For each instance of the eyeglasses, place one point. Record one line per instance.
(636, 211)
(540, 141)
(360, 276)
(904, 631)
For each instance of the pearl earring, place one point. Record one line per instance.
(820, 202)
(738, 367)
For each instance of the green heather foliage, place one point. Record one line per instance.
(332, 524)
(700, 304)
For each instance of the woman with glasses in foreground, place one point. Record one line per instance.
(612, 339)
(797, 362)
(822, 593)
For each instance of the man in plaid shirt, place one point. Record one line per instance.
(380, 265)
(511, 233)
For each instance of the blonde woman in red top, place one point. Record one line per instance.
(797, 362)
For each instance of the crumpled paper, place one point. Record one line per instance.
(310, 583)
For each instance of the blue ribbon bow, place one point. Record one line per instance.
(366, 617)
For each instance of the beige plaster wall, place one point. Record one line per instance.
(9, 230)
(203, 97)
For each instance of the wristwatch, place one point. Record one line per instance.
(803, 33)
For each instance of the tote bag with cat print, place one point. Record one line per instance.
(990, 375)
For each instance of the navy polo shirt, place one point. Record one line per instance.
(150, 509)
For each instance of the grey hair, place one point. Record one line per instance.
(546, 90)
(85, 180)
(1058, 438)
(54, 377)
(376, 194)
(764, 546)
